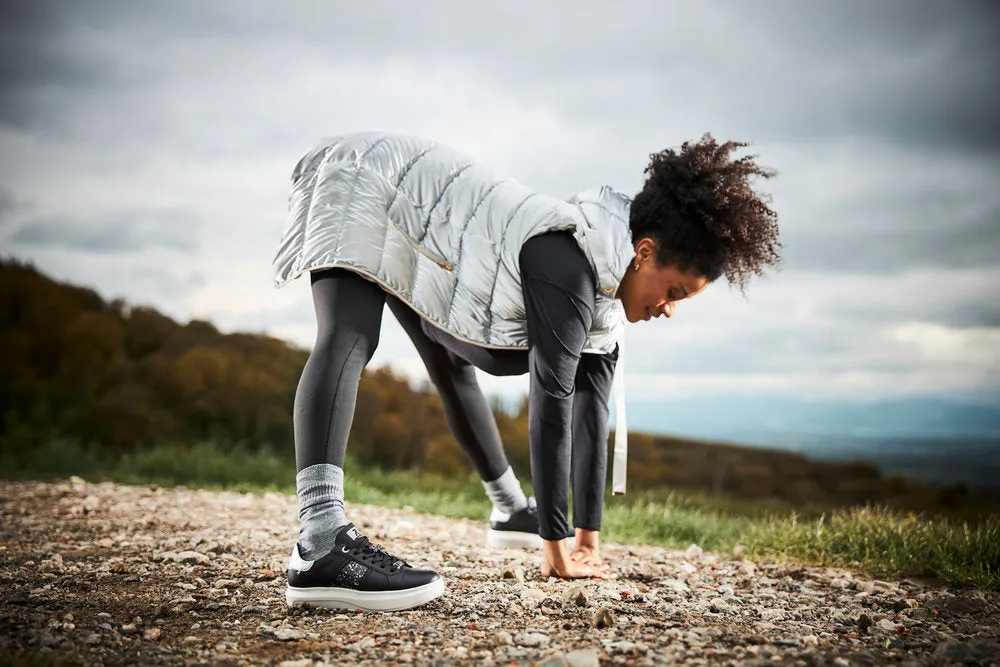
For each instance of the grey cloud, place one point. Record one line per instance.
(908, 71)
(7, 204)
(11, 207)
(962, 310)
(166, 284)
(42, 70)
(300, 313)
(909, 243)
(121, 231)
(823, 346)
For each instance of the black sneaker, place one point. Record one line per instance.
(359, 575)
(519, 529)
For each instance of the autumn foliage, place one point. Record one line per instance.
(118, 378)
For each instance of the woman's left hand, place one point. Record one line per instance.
(588, 556)
(587, 549)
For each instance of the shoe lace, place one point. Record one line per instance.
(376, 555)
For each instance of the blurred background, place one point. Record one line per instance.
(145, 155)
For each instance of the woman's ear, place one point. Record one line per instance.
(645, 249)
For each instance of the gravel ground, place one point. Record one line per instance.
(110, 574)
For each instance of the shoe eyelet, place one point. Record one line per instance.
(344, 550)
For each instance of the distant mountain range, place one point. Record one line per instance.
(933, 440)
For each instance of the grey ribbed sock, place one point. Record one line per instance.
(505, 492)
(320, 489)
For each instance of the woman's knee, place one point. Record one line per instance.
(446, 373)
(338, 346)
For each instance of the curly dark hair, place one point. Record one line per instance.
(698, 206)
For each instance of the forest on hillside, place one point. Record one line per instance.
(117, 378)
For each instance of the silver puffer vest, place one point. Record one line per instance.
(444, 234)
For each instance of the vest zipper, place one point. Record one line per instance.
(437, 260)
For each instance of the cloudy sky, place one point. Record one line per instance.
(145, 150)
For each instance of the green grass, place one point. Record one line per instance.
(875, 540)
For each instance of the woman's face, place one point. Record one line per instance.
(649, 290)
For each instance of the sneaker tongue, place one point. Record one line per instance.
(348, 535)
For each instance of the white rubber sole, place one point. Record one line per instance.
(345, 598)
(508, 539)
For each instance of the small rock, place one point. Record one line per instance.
(864, 586)
(886, 625)
(190, 639)
(533, 640)
(91, 503)
(786, 643)
(686, 567)
(953, 650)
(647, 571)
(551, 605)
(739, 551)
(900, 605)
(20, 597)
(864, 622)
(693, 552)
(604, 618)
(227, 583)
(626, 648)
(719, 607)
(304, 662)
(581, 659)
(748, 568)
(53, 564)
(532, 596)
(128, 628)
(961, 605)
(502, 638)
(181, 605)
(93, 639)
(515, 573)
(810, 640)
(191, 557)
(551, 661)
(577, 596)
(289, 634)
(841, 662)
(152, 634)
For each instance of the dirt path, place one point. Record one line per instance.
(117, 574)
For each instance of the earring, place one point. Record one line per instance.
(635, 267)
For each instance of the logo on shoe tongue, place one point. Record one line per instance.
(353, 533)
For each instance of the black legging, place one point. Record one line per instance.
(349, 316)
(569, 391)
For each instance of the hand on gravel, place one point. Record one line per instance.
(587, 549)
(587, 557)
(557, 562)
(574, 570)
